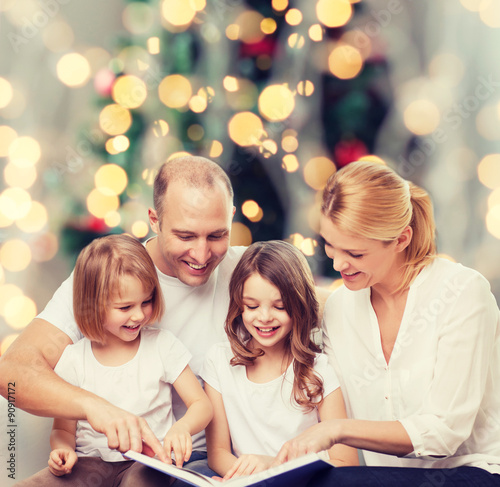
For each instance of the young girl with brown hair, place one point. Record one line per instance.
(270, 382)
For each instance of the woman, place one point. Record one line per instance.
(414, 339)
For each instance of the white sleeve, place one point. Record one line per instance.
(465, 342)
(327, 374)
(174, 355)
(68, 365)
(209, 370)
(59, 310)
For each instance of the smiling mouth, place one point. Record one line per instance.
(267, 330)
(196, 267)
(132, 328)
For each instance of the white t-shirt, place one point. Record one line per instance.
(261, 417)
(141, 386)
(442, 381)
(195, 315)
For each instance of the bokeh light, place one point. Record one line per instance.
(58, 36)
(317, 171)
(246, 129)
(34, 220)
(7, 342)
(7, 136)
(493, 221)
(333, 13)
(175, 91)
(24, 151)
(276, 103)
(305, 88)
(251, 210)
(111, 179)
(73, 70)
(421, 117)
(129, 91)
(15, 255)
(294, 16)
(249, 30)
(315, 33)
(290, 163)
(489, 13)
(345, 62)
(488, 171)
(178, 13)
(140, 229)
(488, 122)
(19, 311)
(44, 247)
(279, 5)
(160, 128)
(22, 177)
(115, 119)
(8, 292)
(289, 143)
(6, 92)
(216, 149)
(240, 234)
(15, 203)
(138, 17)
(99, 204)
(268, 26)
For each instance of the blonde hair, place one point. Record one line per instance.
(98, 271)
(369, 200)
(286, 268)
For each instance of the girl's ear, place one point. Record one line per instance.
(404, 239)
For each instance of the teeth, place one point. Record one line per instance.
(266, 330)
(197, 267)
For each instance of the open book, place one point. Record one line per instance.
(295, 472)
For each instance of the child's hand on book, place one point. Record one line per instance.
(178, 440)
(247, 465)
(62, 461)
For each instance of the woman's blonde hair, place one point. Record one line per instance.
(285, 267)
(369, 200)
(98, 271)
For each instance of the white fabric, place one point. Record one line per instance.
(443, 378)
(141, 386)
(195, 315)
(261, 417)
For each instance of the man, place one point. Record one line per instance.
(192, 216)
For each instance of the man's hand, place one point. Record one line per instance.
(62, 461)
(123, 430)
(178, 439)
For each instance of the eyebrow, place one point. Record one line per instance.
(358, 251)
(189, 232)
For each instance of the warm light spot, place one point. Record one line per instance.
(140, 229)
(207, 92)
(421, 117)
(9, 339)
(359, 40)
(110, 147)
(115, 119)
(15, 203)
(178, 12)
(230, 83)
(493, 221)
(133, 59)
(2, 276)
(245, 129)
(232, 32)
(153, 44)
(250, 208)
(373, 158)
(138, 17)
(448, 65)
(19, 311)
(296, 41)
(5, 221)
(22, 177)
(308, 246)
(240, 234)
(121, 143)
(175, 155)
(198, 5)
(488, 171)
(296, 239)
(317, 171)
(195, 132)
(279, 5)
(15, 255)
(8, 292)
(289, 143)
(333, 13)
(6, 92)
(268, 26)
(316, 33)
(24, 151)
(7, 136)
(490, 13)
(73, 70)
(494, 198)
(17, 105)
(249, 22)
(305, 88)
(112, 219)
(99, 204)
(216, 149)
(474, 5)
(58, 36)
(45, 247)
(345, 62)
(160, 128)
(488, 122)
(268, 148)
(294, 16)
(276, 103)
(175, 91)
(244, 98)
(290, 163)
(111, 179)
(198, 104)
(34, 220)
(129, 91)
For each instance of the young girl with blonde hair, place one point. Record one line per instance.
(269, 382)
(123, 360)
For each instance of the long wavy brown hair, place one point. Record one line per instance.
(285, 267)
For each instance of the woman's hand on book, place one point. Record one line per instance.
(247, 465)
(178, 440)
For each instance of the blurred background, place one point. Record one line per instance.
(94, 96)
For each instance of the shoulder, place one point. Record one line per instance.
(159, 336)
(220, 351)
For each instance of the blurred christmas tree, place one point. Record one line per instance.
(279, 93)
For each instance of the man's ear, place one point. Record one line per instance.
(404, 239)
(234, 211)
(153, 220)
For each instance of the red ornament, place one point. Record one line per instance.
(347, 151)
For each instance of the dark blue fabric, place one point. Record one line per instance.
(198, 462)
(404, 477)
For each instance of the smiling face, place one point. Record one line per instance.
(193, 236)
(128, 311)
(264, 315)
(364, 262)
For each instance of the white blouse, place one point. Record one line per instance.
(442, 381)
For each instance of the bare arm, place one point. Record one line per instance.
(198, 415)
(62, 440)
(380, 436)
(29, 362)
